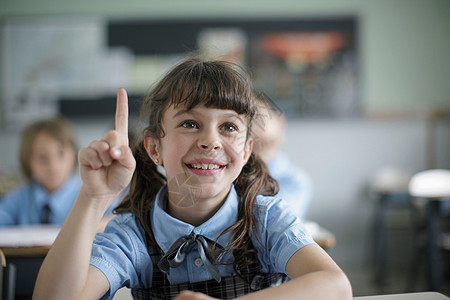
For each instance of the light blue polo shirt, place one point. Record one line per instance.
(24, 205)
(121, 252)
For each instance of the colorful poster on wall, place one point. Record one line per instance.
(309, 73)
(309, 67)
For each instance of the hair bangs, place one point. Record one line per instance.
(219, 85)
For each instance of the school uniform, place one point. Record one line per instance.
(30, 203)
(122, 253)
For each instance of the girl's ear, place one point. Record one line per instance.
(248, 149)
(152, 147)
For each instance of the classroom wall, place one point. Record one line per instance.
(405, 68)
(404, 43)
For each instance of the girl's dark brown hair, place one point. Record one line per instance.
(215, 84)
(58, 128)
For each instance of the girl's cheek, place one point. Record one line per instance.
(239, 143)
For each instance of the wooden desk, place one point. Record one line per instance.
(26, 241)
(16, 252)
(411, 296)
(25, 248)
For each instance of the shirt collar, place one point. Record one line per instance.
(167, 229)
(56, 199)
(40, 194)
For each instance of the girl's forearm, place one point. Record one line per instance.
(315, 285)
(64, 271)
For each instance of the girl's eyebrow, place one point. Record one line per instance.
(233, 115)
(180, 112)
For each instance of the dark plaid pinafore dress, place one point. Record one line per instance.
(251, 280)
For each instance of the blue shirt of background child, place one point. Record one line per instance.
(24, 205)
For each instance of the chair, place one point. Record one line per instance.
(7, 279)
(434, 186)
(390, 187)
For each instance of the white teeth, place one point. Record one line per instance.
(205, 166)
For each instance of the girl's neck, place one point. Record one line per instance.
(197, 213)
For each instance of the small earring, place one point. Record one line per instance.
(156, 161)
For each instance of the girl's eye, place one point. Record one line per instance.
(189, 124)
(230, 127)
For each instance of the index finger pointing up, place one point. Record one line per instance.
(122, 114)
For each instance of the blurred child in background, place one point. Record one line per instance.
(268, 133)
(48, 159)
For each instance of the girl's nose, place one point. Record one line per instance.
(211, 146)
(209, 141)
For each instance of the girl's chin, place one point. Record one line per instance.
(190, 194)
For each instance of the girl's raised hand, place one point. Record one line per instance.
(106, 166)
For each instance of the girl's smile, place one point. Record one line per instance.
(205, 167)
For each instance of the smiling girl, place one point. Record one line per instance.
(209, 227)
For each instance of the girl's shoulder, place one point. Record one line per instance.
(125, 221)
(269, 202)
(120, 249)
(279, 233)
(125, 233)
(273, 209)
(126, 226)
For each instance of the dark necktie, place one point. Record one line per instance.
(46, 211)
(177, 253)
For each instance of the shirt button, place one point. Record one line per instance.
(198, 262)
